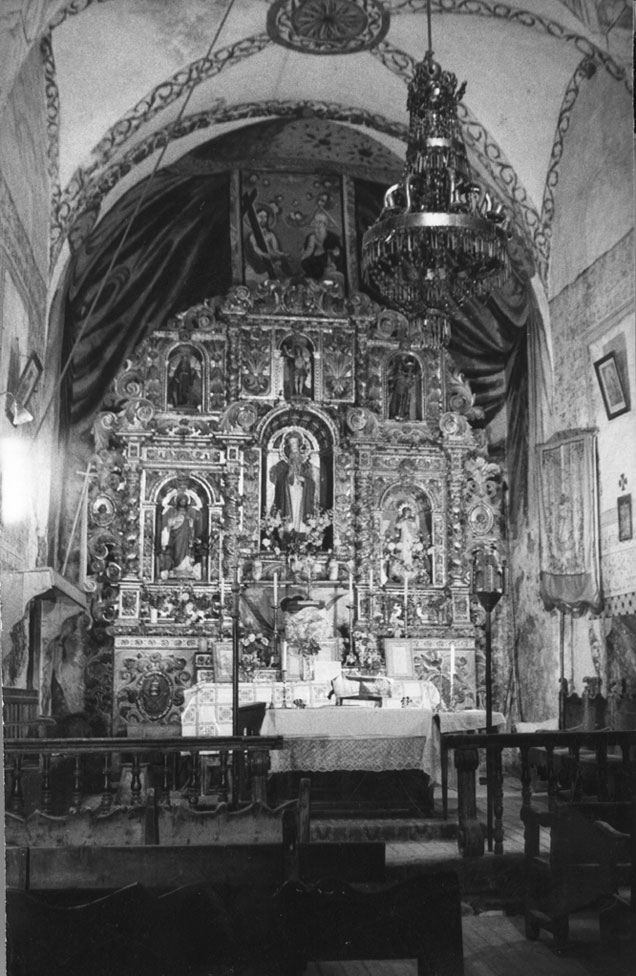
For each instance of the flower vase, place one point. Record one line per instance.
(332, 569)
(306, 668)
(257, 569)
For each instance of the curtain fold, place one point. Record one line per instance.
(176, 253)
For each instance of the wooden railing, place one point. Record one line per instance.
(243, 765)
(606, 759)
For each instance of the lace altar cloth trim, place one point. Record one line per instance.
(370, 755)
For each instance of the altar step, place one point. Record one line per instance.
(389, 829)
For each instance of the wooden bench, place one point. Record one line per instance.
(416, 919)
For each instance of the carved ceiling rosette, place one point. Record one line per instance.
(328, 26)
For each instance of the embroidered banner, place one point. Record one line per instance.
(570, 565)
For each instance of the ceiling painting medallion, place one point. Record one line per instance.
(327, 26)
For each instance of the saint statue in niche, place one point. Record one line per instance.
(181, 539)
(407, 540)
(185, 385)
(298, 356)
(405, 394)
(294, 483)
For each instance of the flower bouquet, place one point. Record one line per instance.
(256, 654)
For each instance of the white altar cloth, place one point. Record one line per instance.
(344, 738)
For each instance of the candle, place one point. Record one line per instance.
(452, 671)
(359, 614)
(283, 656)
(406, 591)
(275, 589)
(222, 591)
(370, 580)
(351, 588)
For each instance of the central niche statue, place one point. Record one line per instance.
(407, 530)
(181, 539)
(294, 483)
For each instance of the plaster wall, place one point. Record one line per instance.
(594, 195)
(25, 451)
(590, 317)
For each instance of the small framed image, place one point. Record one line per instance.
(399, 660)
(29, 379)
(625, 528)
(222, 653)
(609, 380)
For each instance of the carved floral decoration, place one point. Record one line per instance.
(152, 688)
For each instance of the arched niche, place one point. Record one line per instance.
(185, 378)
(297, 478)
(297, 356)
(183, 525)
(406, 530)
(403, 385)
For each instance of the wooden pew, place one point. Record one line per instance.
(416, 919)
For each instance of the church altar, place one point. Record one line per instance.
(351, 738)
(242, 526)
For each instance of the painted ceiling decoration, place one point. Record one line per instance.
(327, 26)
(310, 27)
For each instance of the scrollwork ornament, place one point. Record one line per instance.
(140, 412)
(450, 424)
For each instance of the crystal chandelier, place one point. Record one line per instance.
(439, 238)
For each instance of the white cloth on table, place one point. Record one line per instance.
(332, 738)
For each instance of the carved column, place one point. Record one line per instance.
(364, 512)
(456, 568)
(231, 514)
(362, 344)
(130, 512)
(233, 372)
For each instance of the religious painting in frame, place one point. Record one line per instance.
(399, 659)
(293, 226)
(625, 527)
(222, 652)
(27, 382)
(612, 391)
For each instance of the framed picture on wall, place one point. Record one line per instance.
(625, 529)
(609, 380)
(29, 379)
(222, 652)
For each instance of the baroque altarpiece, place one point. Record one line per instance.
(301, 459)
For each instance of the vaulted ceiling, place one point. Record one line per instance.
(133, 83)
